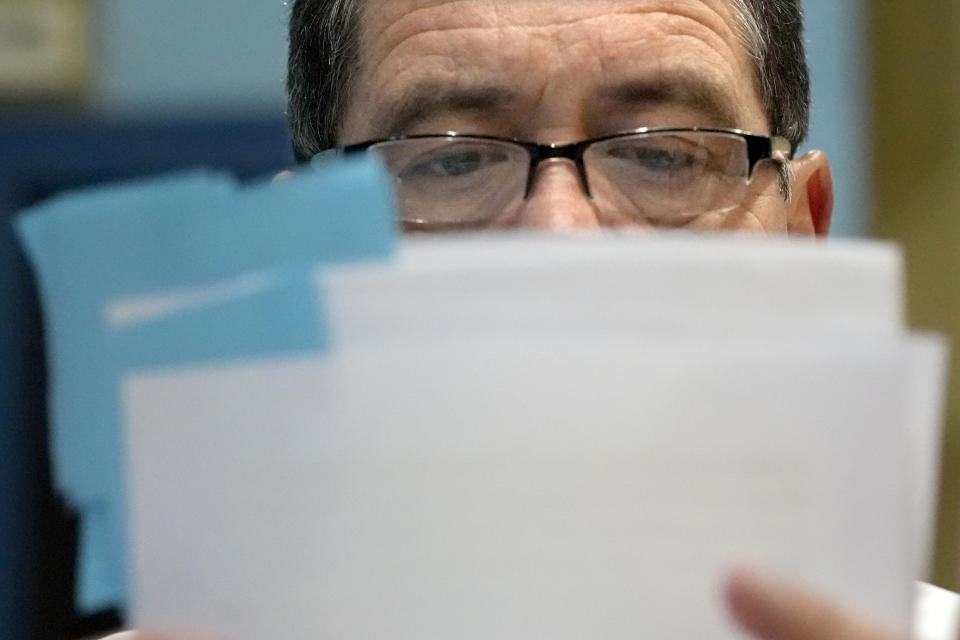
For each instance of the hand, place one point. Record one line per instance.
(770, 609)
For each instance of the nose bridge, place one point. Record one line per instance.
(552, 153)
(557, 196)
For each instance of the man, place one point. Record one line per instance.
(574, 114)
(556, 73)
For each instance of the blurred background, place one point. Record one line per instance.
(100, 90)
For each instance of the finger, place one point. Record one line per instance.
(771, 609)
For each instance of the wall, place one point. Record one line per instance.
(189, 57)
(837, 50)
(917, 166)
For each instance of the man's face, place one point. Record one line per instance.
(560, 71)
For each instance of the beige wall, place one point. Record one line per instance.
(916, 133)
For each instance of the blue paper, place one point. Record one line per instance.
(279, 317)
(94, 248)
(76, 244)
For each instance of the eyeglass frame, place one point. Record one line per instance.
(759, 148)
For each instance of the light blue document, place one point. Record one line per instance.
(174, 233)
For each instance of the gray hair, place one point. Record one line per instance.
(324, 52)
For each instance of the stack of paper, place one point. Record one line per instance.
(526, 436)
(546, 437)
(234, 263)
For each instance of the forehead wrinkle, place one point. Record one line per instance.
(501, 15)
(376, 47)
(448, 21)
(469, 15)
(732, 49)
(709, 33)
(468, 63)
(707, 24)
(719, 18)
(691, 30)
(441, 62)
(722, 40)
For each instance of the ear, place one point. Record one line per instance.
(810, 209)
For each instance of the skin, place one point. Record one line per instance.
(559, 72)
(771, 608)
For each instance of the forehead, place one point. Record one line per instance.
(398, 16)
(560, 50)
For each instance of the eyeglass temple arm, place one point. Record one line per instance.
(781, 150)
(776, 148)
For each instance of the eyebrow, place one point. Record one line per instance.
(686, 90)
(428, 99)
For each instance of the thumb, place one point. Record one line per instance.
(772, 609)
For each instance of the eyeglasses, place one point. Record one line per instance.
(665, 177)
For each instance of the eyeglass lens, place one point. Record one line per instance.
(662, 178)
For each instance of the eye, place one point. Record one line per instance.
(653, 158)
(452, 164)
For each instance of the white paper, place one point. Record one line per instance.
(551, 488)
(626, 285)
(545, 436)
(926, 378)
